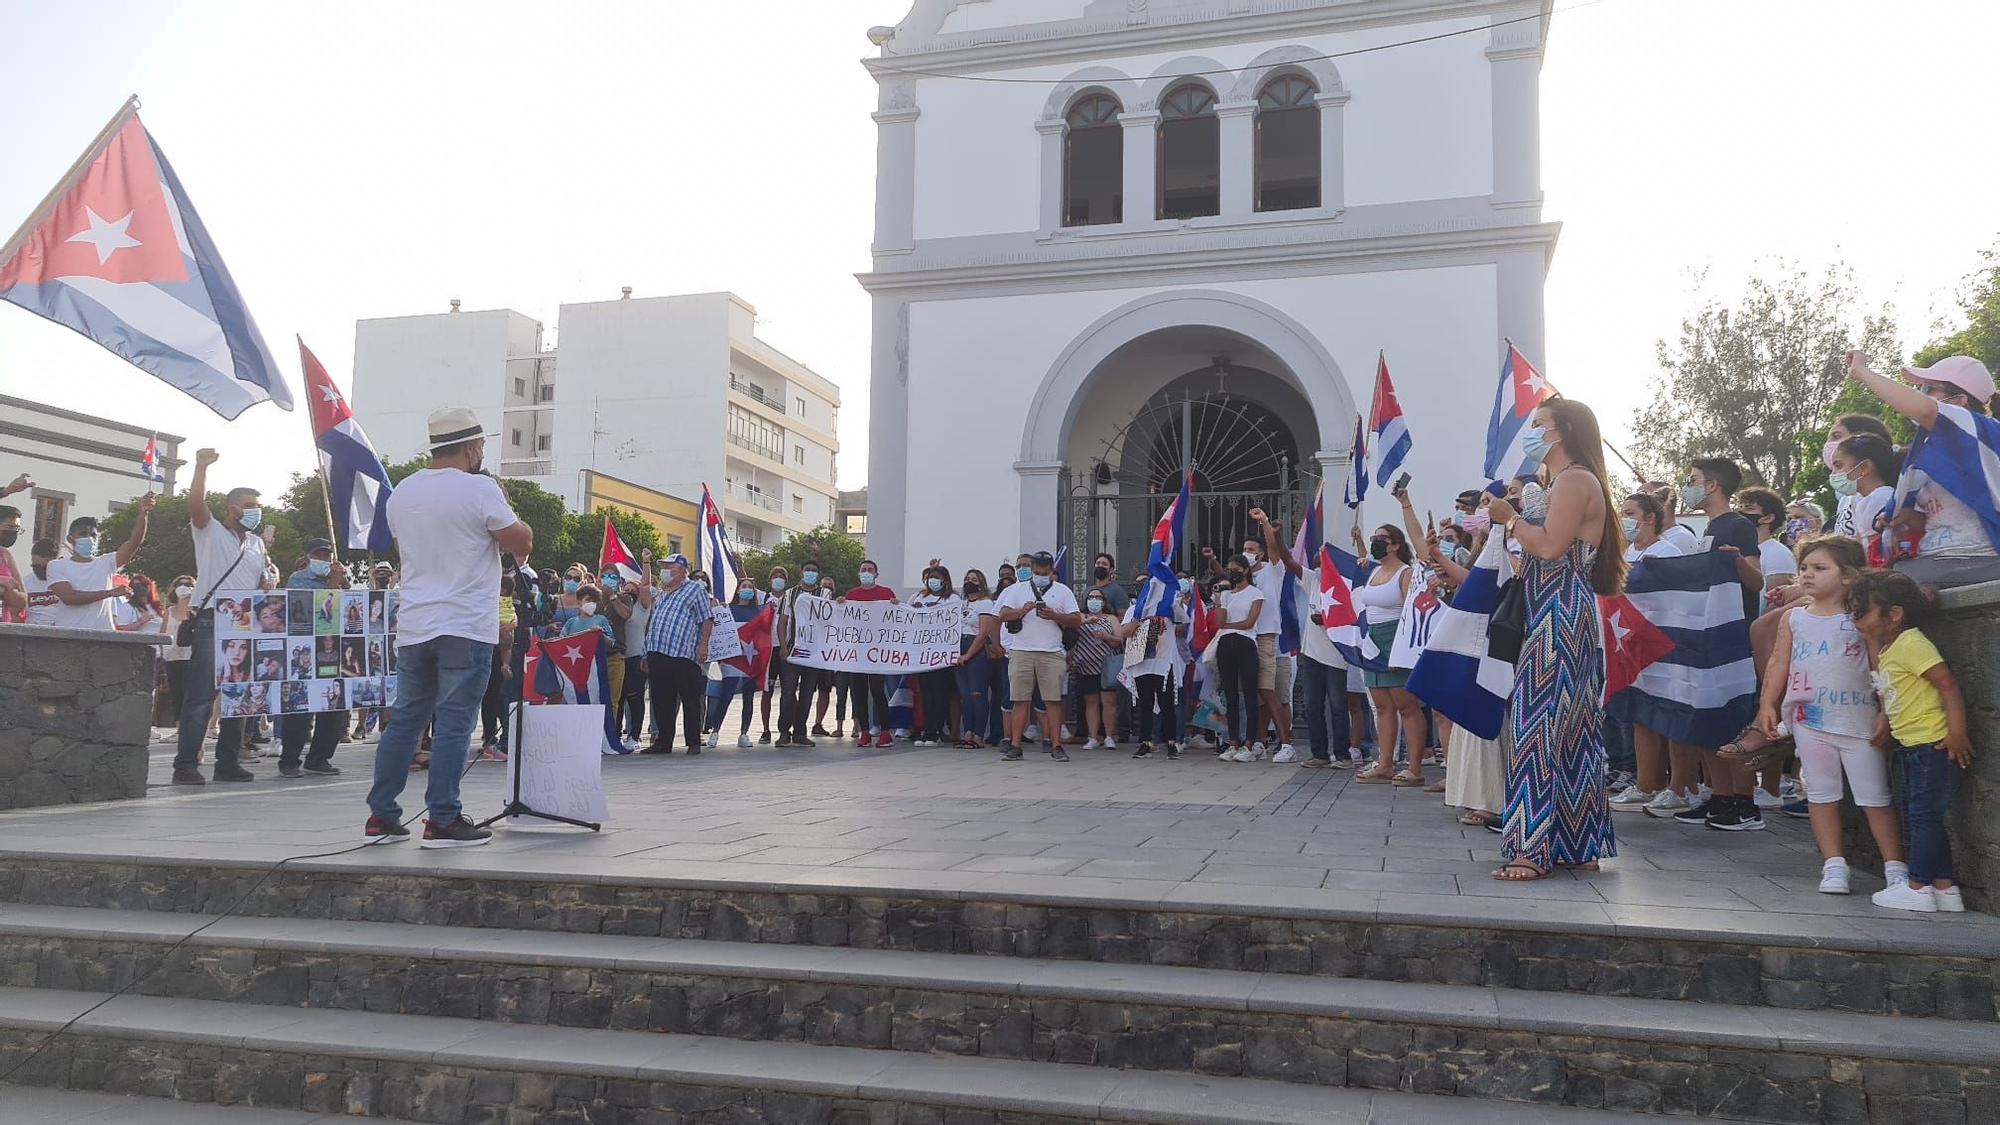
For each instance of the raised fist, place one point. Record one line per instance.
(205, 457)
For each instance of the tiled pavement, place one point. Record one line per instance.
(952, 819)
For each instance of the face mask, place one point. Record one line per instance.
(183, 593)
(250, 518)
(1842, 484)
(934, 585)
(610, 582)
(777, 585)
(867, 578)
(1187, 584)
(1692, 495)
(1041, 581)
(971, 588)
(1796, 528)
(589, 609)
(1096, 605)
(570, 585)
(1378, 547)
(826, 591)
(85, 547)
(1535, 445)
(745, 595)
(809, 577)
(1253, 556)
(1022, 574)
(1631, 527)
(1826, 452)
(1478, 522)
(7, 537)
(318, 568)
(1101, 573)
(1235, 575)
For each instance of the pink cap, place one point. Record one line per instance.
(1961, 371)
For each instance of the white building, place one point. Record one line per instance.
(1116, 237)
(82, 465)
(667, 393)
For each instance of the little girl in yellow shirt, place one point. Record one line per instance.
(1925, 714)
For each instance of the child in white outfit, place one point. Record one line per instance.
(1818, 686)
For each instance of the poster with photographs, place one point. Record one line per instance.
(291, 652)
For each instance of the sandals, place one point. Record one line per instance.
(1374, 775)
(1755, 749)
(1477, 819)
(1520, 871)
(1407, 780)
(1435, 787)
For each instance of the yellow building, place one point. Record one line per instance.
(673, 517)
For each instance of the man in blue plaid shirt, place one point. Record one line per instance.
(677, 655)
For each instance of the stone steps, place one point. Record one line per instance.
(31, 1106)
(1505, 1045)
(1948, 967)
(469, 1072)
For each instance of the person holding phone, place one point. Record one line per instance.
(1032, 616)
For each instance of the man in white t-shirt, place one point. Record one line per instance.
(86, 583)
(451, 522)
(1274, 669)
(1033, 615)
(229, 561)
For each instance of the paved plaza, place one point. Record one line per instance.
(1193, 831)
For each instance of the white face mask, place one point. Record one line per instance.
(589, 608)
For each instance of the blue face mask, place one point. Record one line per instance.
(935, 585)
(318, 568)
(777, 585)
(571, 585)
(1022, 573)
(746, 595)
(251, 518)
(85, 547)
(1535, 444)
(1187, 584)
(809, 576)
(867, 578)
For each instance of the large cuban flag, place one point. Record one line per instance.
(1454, 674)
(119, 255)
(572, 670)
(357, 484)
(1961, 452)
(1704, 690)
(1521, 389)
(1338, 613)
(1385, 421)
(1156, 597)
(712, 555)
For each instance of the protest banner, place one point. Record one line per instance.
(875, 637)
(724, 643)
(559, 763)
(290, 652)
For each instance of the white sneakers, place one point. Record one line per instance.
(1632, 799)
(1902, 896)
(1949, 901)
(1093, 744)
(1666, 803)
(1254, 753)
(1833, 877)
(743, 742)
(1111, 744)
(1768, 800)
(1285, 755)
(714, 738)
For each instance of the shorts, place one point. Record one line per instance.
(1823, 757)
(1027, 671)
(1086, 684)
(1288, 668)
(1267, 662)
(1357, 683)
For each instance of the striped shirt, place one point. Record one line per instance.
(678, 616)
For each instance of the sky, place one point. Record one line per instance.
(366, 160)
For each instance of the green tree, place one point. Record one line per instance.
(837, 553)
(1758, 383)
(586, 536)
(543, 511)
(1980, 338)
(169, 547)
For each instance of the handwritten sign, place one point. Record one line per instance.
(875, 637)
(559, 760)
(723, 642)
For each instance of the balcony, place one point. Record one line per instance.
(756, 395)
(746, 443)
(753, 497)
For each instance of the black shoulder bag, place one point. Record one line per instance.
(1507, 629)
(184, 636)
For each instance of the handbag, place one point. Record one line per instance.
(1507, 629)
(184, 634)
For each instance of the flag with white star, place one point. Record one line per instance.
(119, 255)
(356, 481)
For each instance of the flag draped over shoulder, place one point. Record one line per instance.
(357, 484)
(120, 256)
(572, 670)
(1961, 453)
(1703, 691)
(1454, 674)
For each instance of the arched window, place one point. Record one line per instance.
(1190, 153)
(1093, 162)
(1287, 144)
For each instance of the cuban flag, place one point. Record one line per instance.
(1521, 389)
(1356, 488)
(1631, 643)
(357, 484)
(149, 461)
(1961, 452)
(712, 555)
(1305, 552)
(614, 556)
(1338, 614)
(1454, 675)
(572, 670)
(119, 255)
(757, 636)
(1201, 634)
(1156, 597)
(1704, 690)
(1385, 421)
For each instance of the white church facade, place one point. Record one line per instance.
(1118, 238)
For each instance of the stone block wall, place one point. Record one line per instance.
(76, 712)
(1968, 634)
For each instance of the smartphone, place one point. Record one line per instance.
(1402, 483)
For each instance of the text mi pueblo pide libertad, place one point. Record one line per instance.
(877, 634)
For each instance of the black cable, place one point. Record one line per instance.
(1216, 73)
(471, 761)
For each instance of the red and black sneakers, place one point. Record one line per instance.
(386, 830)
(459, 833)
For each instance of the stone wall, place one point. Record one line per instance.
(1968, 634)
(76, 712)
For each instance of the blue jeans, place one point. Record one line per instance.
(721, 692)
(974, 677)
(443, 678)
(1326, 707)
(1929, 782)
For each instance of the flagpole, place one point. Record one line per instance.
(68, 180)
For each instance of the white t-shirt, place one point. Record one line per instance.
(1269, 581)
(443, 520)
(1037, 634)
(1661, 548)
(216, 549)
(1234, 605)
(1868, 508)
(133, 619)
(1314, 644)
(1951, 530)
(1776, 558)
(85, 577)
(1683, 540)
(42, 605)
(974, 610)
